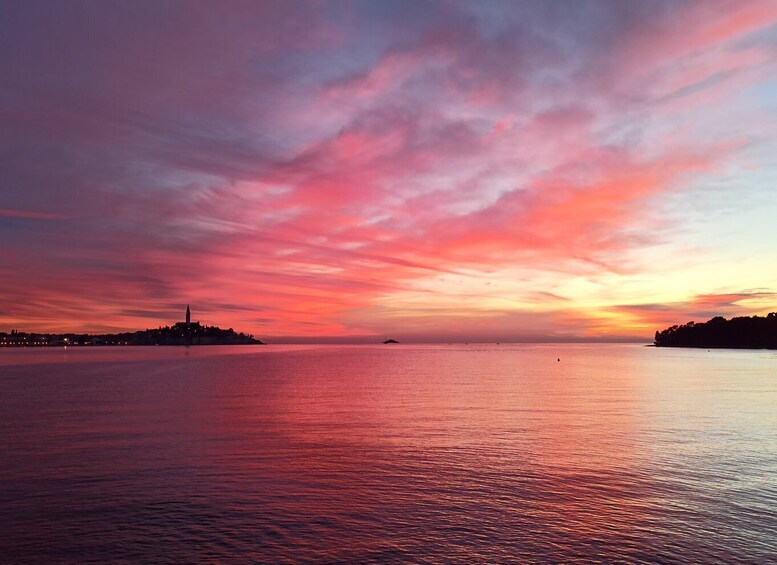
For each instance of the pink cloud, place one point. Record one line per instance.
(700, 308)
(291, 171)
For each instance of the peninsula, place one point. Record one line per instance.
(756, 332)
(180, 333)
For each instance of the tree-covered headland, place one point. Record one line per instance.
(746, 332)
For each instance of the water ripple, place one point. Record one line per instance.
(373, 455)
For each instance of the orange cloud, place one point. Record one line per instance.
(440, 171)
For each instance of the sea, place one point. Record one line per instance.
(479, 453)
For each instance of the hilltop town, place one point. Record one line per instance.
(180, 333)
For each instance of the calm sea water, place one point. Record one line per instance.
(423, 454)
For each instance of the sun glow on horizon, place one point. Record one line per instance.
(443, 170)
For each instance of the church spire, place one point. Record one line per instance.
(188, 315)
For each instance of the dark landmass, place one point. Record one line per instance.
(391, 341)
(178, 334)
(756, 332)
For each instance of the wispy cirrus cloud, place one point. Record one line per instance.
(5, 213)
(363, 167)
(699, 308)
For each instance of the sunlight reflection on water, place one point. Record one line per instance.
(477, 453)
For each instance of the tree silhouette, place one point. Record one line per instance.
(746, 332)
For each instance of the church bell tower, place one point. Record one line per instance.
(188, 315)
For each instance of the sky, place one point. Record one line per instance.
(427, 171)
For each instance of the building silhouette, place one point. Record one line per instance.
(188, 329)
(180, 333)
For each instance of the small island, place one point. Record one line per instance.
(391, 341)
(180, 333)
(746, 332)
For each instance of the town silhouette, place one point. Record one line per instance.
(180, 333)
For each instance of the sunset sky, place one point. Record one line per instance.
(419, 170)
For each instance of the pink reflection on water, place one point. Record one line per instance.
(457, 453)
